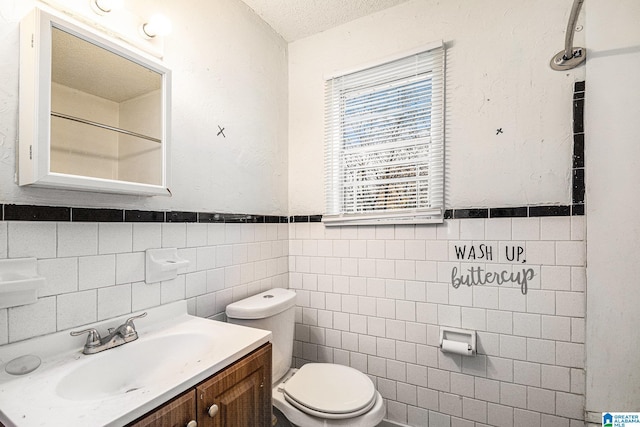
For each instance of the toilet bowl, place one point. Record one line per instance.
(317, 394)
(331, 396)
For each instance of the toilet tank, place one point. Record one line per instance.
(272, 310)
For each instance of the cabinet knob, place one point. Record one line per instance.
(213, 410)
(192, 423)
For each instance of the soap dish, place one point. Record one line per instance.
(19, 282)
(23, 365)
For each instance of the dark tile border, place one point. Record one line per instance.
(305, 218)
(511, 212)
(578, 150)
(578, 185)
(578, 116)
(577, 210)
(471, 213)
(238, 218)
(561, 210)
(299, 218)
(97, 215)
(273, 219)
(520, 212)
(175, 216)
(58, 213)
(36, 213)
(210, 217)
(10, 212)
(143, 216)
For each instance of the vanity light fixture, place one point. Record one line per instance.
(102, 7)
(157, 25)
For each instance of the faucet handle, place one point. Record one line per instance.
(139, 316)
(130, 328)
(93, 339)
(130, 320)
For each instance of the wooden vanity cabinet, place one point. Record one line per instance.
(237, 396)
(177, 413)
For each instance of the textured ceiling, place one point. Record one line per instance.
(296, 19)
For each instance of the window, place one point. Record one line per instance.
(384, 142)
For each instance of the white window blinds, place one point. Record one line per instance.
(384, 142)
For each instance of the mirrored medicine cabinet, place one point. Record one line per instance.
(94, 114)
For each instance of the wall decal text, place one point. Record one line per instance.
(480, 276)
(474, 252)
(488, 252)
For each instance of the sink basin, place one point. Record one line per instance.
(174, 353)
(129, 367)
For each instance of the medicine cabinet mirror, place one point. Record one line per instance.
(94, 114)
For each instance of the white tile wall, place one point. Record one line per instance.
(77, 308)
(32, 239)
(386, 291)
(30, 320)
(95, 271)
(3, 240)
(372, 297)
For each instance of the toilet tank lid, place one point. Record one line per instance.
(264, 304)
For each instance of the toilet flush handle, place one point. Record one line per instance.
(213, 410)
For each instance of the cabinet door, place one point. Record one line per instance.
(239, 396)
(177, 413)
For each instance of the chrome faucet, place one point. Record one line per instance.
(117, 336)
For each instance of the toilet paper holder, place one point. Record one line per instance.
(458, 341)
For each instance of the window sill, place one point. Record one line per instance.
(346, 221)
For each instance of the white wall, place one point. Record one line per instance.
(229, 69)
(612, 176)
(497, 77)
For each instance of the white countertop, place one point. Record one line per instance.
(36, 399)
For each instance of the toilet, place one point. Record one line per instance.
(317, 394)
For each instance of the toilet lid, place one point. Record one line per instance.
(331, 391)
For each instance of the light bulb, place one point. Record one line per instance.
(157, 25)
(102, 7)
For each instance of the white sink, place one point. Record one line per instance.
(174, 352)
(132, 366)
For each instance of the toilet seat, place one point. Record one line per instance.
(330, 391)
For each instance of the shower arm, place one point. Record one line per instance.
(571, 27)
(570, 57)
